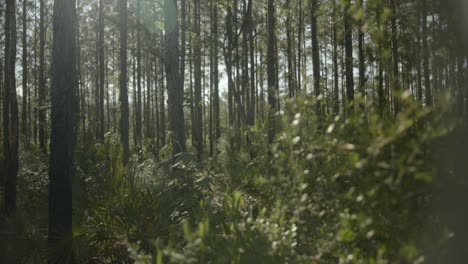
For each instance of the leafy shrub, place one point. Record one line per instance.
(356, 189)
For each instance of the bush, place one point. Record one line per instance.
(352, 190)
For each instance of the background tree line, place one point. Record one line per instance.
(371, 51)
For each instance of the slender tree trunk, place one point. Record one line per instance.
(183, 36)
(97, 92)
(245, 63)
(299, 44)
(162, 107)
(42, 81)
(229, 64)
(124, 118)
(101, 73)
(10, 110)
(63, 134)
(316, 58)
(148, 121)
(210, 98)
(380, 86)
(348, 53)
(336, 93)
(198, 114)
(78, 76)
(34, 115)
(157, 84)
(271, 72)
(134, 81)
(183, 51)
(138, 121)
(252, 64)
(216, 109)
(395, 56)
(24, 106)
(427, 79)
(175, 87)
(289, 75)
(418, 55)
(79, 101)
(362, 65)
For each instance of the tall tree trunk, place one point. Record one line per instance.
(79, 101)
(34, 115)
(10, 110)
(210, 98)
(138, 121)
(418, 55)
(97, 91)
(336, 93)
(175, 87)
(183, 52)
(271, 72)
(101, 73)
(24, 107)
(229, 64)
(216, 109)
(395, 77)
(183, 37)
(245, 63)
(253, 93)
(162, 107)
(78, 76)
(42, 81)
(316, 57)
(289, 76)
(134, 92)
(156, 105)
(380, 86)
(362, 65)
(148, 121)
(124, 118)
(299, 44)
(198, 114)
(348, 54)
(427, 79)
(63, 135)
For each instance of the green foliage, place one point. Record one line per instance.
(359, 190)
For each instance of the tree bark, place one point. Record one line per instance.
(427, 79)
(271, 72)
(10, 110)
(138, 121)
(63, 134)
(299, 45)
(101, 73)
(336, 93)
(348, 54)
(24, 106)
(175, 87)
(124, 117)
(418, 55)
(216, 109)
(252, 64)
(289, 76)
(362, 65)
(198, 114)
(316, 58)
(42, 81)
(395, 56)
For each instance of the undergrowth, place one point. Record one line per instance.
(355, 189)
